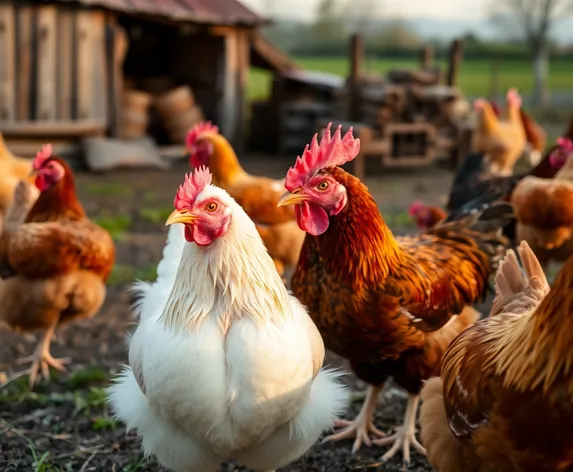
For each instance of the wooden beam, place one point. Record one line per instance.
(65, 57)
(24, 50)
(356, 61)
(244, 49)
(228, 69)
(7, 63)
(52, 128)
(46, 82)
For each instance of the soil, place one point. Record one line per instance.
(64, 425)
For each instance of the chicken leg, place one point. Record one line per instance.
(405, 436)
(362, 425)
(42, 359)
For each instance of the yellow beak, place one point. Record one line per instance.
(292, 199)
(33, 173)
(180, 216)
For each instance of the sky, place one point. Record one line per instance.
(442, 9)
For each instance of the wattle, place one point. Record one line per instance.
(311, 218)
(41, 182)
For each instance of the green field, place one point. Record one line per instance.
(475, 75)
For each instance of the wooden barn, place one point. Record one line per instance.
(65, 67)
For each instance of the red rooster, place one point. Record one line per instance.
(379, 301)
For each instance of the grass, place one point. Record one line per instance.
(474, 78)
(110, 189)
(125, 274)
(117, 226)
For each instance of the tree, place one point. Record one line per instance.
(536, 19)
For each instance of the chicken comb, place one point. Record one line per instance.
(513, 97)
(193, 185)
(415, 206)
(332, 151)
(197, 130)
(42, 156)
(561, 153)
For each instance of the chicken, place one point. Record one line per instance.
(504, 396)
(426, 216)
(225, 364)
(283, 241)
(12, 170)
(502, 141)
(54, 261)
(384, 303)
(544, 209)
(257, 195)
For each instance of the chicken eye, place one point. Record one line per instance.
(211, 207)
(322, 185)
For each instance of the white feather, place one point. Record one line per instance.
(224, 356)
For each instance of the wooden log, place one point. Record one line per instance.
(65, 58)
(7, 63)
(46, 27)
(24, 49)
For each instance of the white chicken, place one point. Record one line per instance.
(225, 364)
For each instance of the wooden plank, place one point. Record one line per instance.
(100, 77)
(228, 73)
(7, 63)
(65, 55)
(24, 53)
(46, 27)
(117, 52)
(85, 72)
(29, 147)
(52, 128)
(243, 46)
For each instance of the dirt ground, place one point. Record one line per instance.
(65, 425)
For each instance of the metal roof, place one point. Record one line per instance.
(217, 12)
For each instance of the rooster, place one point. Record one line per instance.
(225, 364)
(504, 396)
(384, 303)
(258, 196)
(53, 259)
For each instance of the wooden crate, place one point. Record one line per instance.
(53, 71)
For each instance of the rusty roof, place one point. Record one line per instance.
(216, 12)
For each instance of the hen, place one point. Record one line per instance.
(544, 209)
(258, 196)
(383, 302)
(225, 364)
(504, 396)
(283, 241)
(54, 263)
(12, 170)
(503, 142)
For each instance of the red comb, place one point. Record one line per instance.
(565, 144)
(415, 206)
(42, 156)
(194, 184)
(332, 151)
(197, 130)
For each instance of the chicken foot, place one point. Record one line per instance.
(405, 436)
(42, 359)
(362, 425)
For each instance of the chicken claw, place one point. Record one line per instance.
(361, 426)
(405, 436)
(42, 359)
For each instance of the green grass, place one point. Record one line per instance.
(474, 78)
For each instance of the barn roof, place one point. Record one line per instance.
(218, 12)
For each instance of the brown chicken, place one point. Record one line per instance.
(502, 141)
(283, 242)
(257, 195)
(426, 216)
(505, 394)
(544, 209)
(384, 303)
(54, 261)
(12, 170)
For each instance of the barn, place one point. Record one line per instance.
(65, 66)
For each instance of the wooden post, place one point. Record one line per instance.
(356, 61)
(46, 57)
(7, 64)
(455, 59)
(65, 58)
(243, 46)
(426, 57)
(25, 19)
(227, 110)
(119, 44)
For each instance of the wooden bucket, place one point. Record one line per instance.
(133, 123)
(136, 100)
(179, 126)
(175, 102)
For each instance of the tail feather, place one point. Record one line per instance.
(148, 298)
(445, 452)
(517, 290)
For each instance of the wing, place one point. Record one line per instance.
(42, 250)
(486, 190)
(259, 199)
